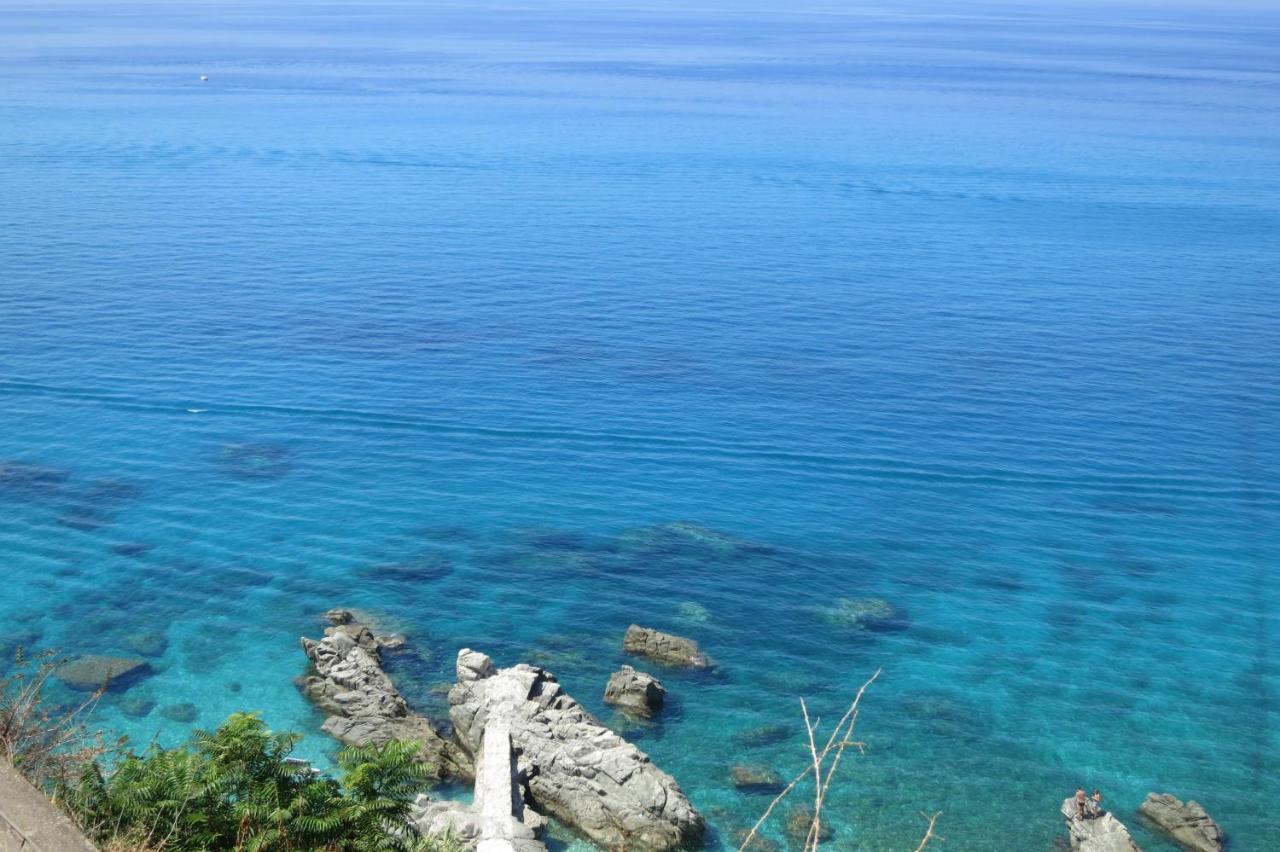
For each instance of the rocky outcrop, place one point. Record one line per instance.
(571, 767)
(93, 672)
(363, 704)
(1102, 833)
(638, 693)
(663, 647)
(1187, 824)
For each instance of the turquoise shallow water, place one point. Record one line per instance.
(437, 311)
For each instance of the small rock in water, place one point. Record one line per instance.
(693, 612)
(800, 820)
(132, 549)
(148, 643)
(424, 569)
(24, 476)
(663, 647)
(759, 843)
(136, 706)
(635, 692)
(1188, 824)
(185, 712)
(863, 614)
(93, 671)
(254, 461)
(763, 735)
(755, 778)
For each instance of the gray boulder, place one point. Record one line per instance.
(1103, 833)
(571, 767)
(663, 647)
(1187, 824)
(363, 704)
(635, 692)
(94, 671)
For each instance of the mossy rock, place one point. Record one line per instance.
(755, 778)
(184, 712)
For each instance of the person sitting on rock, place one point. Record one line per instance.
(1082, 803)
(1095, 804)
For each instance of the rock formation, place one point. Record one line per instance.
(635, 692)
(1103, 833)
(363, 704)
(663, 647)
(1187, 824)
(93, 672)
(571, 766)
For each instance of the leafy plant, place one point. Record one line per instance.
(237, 788)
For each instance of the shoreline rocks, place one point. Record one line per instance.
(635, 692)
(663, 647)
(1187, 824)
(363, 704)
(1103, 833)
(568, 764)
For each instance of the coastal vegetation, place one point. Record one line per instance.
(235, 788)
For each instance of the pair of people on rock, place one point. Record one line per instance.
(1089, 807)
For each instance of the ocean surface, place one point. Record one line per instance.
(515, 323)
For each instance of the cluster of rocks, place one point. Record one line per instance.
(570, 766)
(1186, 824)
(530, 748)
(364, 706)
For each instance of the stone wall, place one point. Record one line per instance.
(30, 823)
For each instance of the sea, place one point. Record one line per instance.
(933, 338)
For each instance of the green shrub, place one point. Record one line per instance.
(237, 789)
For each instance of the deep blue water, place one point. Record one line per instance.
(971, 308)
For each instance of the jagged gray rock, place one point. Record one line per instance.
(574, 768)
(1187, 824)
(1103, 833)
(363, 704)
(663, 647)
(635, 692)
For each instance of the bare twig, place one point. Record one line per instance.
(823, 761)
(928, 834)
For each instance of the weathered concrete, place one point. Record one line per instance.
(30, 823)
(1102, 833)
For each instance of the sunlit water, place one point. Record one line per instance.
(428, 309)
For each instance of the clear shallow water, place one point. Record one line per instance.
(972, 310)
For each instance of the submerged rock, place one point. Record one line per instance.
(863, 614)
(763, 735)
(25, 476)
(800, 820)
(574, 768)
(693, 612)
(93, 672)
(132, 549)
(758, 842)
(1103, 833)
(184, 712)
(686, 536)
(429, 568)
(254, 461)
(755, 778)
(635, 692)
(663, 647)
(1187, 824)
(363, 704)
